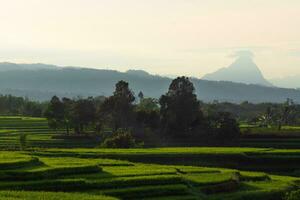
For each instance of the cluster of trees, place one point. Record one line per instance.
(176, 117)
(11, 105)
(77, 114)
(261, 114)
(279, 115)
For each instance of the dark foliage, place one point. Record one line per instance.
(55, 113)
(83, 114)
(180, 110)
(147, 113)
(226, 128)
(11, 105)
(177, 118)
(117, 110)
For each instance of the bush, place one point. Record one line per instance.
(120, 139)
(294, 195)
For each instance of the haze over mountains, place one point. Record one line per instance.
(41, 82)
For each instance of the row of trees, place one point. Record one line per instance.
(76, 114)
(11, 105)
(176, 117)
(260, 114)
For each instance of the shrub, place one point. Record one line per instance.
(294, 195)
(120, 139)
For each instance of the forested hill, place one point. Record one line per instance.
(42, 83)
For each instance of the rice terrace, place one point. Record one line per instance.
(139, 173)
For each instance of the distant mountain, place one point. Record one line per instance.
(287, 82)
(137, 72)
(42, 84)
(6, 66)
(243, 70)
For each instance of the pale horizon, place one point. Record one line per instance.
(179, 37)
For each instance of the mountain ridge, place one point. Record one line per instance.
(73, 82)
(9, 66)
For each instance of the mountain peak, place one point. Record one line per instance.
(242, 70)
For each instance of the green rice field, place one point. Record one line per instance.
(57, 169)
(37, 133)
(25, 175)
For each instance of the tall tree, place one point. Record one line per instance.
(68, 117)
(118, 108)
(83, 113)
(180, 109)
(55, 113)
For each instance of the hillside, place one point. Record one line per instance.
(42, 83)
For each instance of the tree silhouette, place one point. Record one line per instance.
(68, 115)
(118, 108)
(55, 113)
(84, 113)
(180, 109)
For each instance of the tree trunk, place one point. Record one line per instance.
(67, 129)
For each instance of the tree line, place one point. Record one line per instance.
(11, 105)
(123, 120)
(279, 115)
(261, 114)
(176, 117)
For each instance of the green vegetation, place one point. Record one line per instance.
(37, 134)
(91, 149)
(176, 119)
(270, 160)
(120, 139)
(11, 105)
(21, 195)
(142, 173)
(79, 174)
(255, 136)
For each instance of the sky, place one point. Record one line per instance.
(167, 37)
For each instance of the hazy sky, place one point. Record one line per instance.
(182, 37)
